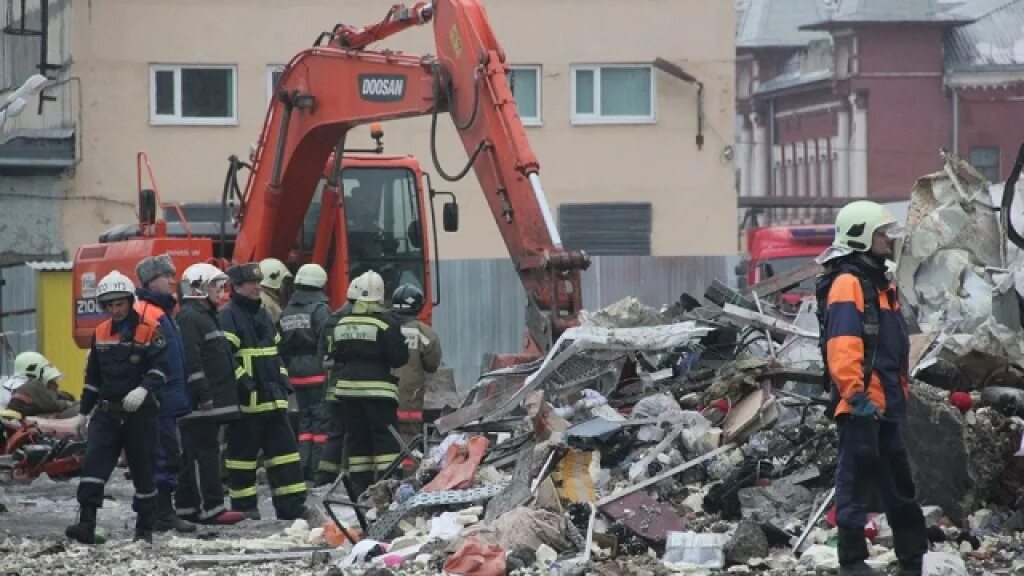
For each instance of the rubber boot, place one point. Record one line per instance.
(166, 519)
(225, 518)
(853, 550)
(144, 527)
(859, 569)
(85, 530)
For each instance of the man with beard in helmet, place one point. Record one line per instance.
(866, 352)
(127, 366)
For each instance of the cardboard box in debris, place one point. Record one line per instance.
(696, 435)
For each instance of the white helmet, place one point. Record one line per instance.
(368, 287)
(35, 366)
(274, 272)
(199, 281)
(114, 286)
(312, 275)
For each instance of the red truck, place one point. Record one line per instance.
(773, 250)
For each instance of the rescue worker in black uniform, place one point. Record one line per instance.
(301, 325)
(365, 347)
(127, 365)
(263, 398)
(210, 374)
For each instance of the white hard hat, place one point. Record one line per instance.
(35, 366)
(115, 286)
(312, 275)
(274, 272)
(368, 287)
(198, 279)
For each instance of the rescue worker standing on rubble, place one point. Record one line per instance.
(126, 368)
(263, 397)
(364, 345)
(38, 394)
(276, 277)
(156, 302)
(867, 355)
(210, 366)
(301, 326)
(424, 352)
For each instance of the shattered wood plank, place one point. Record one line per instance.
(645, 516)
(787, 279)
(666, 474)
(474, 412)
(810, 376)
(206, 560)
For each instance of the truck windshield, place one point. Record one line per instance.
(381, 208)
(776, 266)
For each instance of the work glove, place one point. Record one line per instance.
(80, 427)
(134, 399)
(862, 405)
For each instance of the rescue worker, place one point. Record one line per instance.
(424, 354)
(126, 368)
(870, 415)
(275, 276)
(38, 394)
(210, 369)
(156, 302)
(364, 344)
(263, 397)
(301, 325)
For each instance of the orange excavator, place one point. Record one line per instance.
(367, 210)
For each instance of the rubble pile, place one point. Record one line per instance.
(690, 439)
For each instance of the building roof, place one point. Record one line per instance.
(50, 266)
(776, 23)
(850, 12)
(812, 64)
(993, 41)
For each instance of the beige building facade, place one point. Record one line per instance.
(188, 82)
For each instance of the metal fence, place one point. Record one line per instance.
(483, 303)
(17, 314)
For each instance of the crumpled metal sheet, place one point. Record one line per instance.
(585, 354)
(952, 265)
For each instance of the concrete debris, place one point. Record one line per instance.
(747, 542)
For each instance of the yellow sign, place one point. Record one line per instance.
(456, 39)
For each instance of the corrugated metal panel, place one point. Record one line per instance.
(606, 228)
(483, 304)
(992, 41)
(894, 11)
(653, 280)
(17, 331)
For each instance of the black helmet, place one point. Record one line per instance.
(407, 300)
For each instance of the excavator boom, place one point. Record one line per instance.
(326, 91)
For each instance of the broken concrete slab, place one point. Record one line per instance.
(747, 542)
(970, 456)
(777, 503)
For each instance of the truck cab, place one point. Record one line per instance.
(772, 250)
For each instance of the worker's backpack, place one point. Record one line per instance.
(869, 333)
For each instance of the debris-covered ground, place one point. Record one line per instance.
(690, 439)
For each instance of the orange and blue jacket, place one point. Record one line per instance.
(844, 324)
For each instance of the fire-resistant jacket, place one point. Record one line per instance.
(844, 324)
(424, 357)
(133, 353)
(301, 325)
(209, 361)
(261, 376)
(365, 344)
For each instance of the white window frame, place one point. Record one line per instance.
(271, 68)
(177, 119)
(537, 120)
(596, 117)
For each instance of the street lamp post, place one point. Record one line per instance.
(14, 103)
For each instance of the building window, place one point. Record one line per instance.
(525, 82)
(606, 229)
(986, 160)
(274, 72)
(201, 95)
(612, 94)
